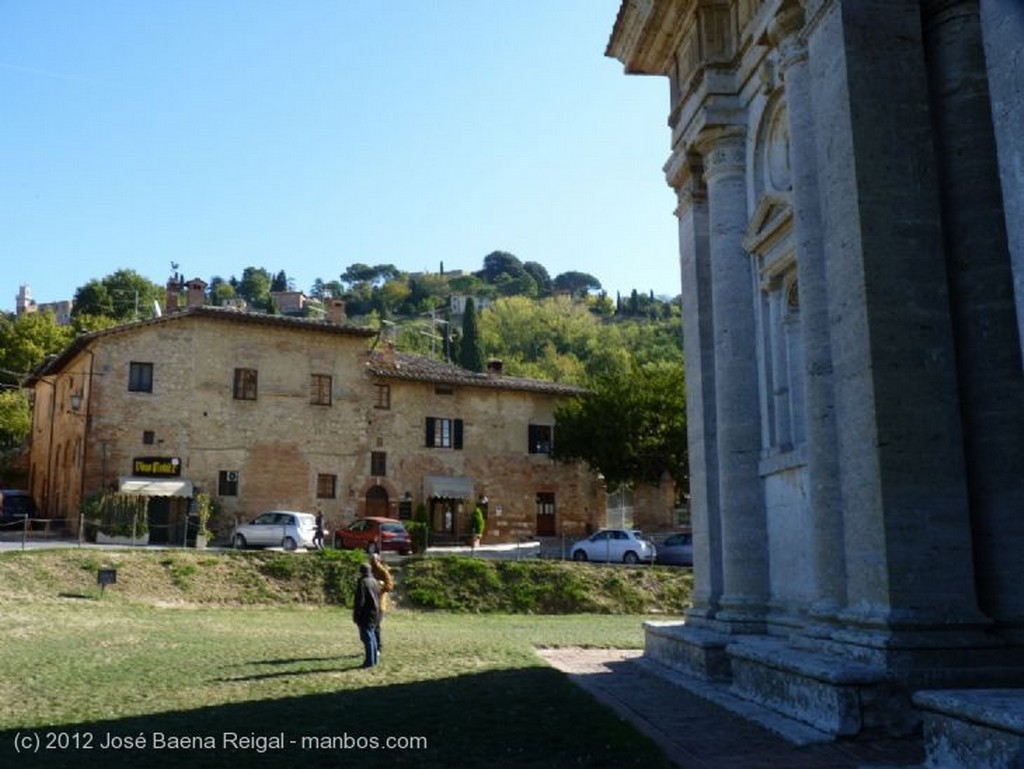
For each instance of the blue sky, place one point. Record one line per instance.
(308, 135)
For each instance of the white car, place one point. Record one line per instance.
(277, 528)
(625, 545)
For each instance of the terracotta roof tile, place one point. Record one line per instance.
(417, 368)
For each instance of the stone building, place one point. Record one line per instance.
(24, 303)
(850, 184)
(268, 412)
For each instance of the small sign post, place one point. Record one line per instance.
(104, 577)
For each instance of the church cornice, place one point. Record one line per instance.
(646, 34)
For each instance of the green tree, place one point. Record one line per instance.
(220, 291)
(540, 276)
(93, 299)
(373, 276)
(390, 296)
(547, 338)
(27, 340)
(631, 427)
(281, 282)
(358, 273)
(471, 355)
(15, 416)
(332, 289)
(426, 292)
(254, 287)
(498, 263)
(124, 295)
(519, 285)
(470, 285)
(576, 283)
(86, 324)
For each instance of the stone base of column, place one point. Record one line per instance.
(829, 685)
(688, 649)
(837, 696)
(741, 615)
(973, 728)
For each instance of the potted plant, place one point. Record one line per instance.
(417, 528)
(204, 510)
(478, 523)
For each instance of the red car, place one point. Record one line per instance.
(374, 535)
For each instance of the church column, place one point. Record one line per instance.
(737, 406)
(1002, 30)
(982, 295)
(902, 468)
(684, 175)
(826, 536)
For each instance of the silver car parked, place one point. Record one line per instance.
(277, 528)
(618, 545)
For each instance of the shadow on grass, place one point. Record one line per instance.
(523, 717)
(294, 660)
(355, 662)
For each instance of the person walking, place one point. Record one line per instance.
(318, 535)
(382, 574)
(366, 613)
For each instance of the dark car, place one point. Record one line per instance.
(15, 506)
(676, 550)
(374, 535)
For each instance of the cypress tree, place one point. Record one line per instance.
(471, 354)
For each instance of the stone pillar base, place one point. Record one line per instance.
(826, 688)
(973, 729)
(691, 650)
(838, 696)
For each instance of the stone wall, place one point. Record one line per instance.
(277, 446)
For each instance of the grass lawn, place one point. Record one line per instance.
(286, 681)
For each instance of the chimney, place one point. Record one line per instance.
(494, 367)
(173, 288)
(195, 293)
(335, 311)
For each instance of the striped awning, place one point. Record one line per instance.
(156, 487)
(447, 487)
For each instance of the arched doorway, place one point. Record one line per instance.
(377, 503)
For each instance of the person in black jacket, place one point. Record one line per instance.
(366, 613)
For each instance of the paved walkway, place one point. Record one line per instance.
(697, 734)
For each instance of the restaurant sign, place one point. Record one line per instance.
(156, 467)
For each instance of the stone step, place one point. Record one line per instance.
(973, 728)
(793, 731)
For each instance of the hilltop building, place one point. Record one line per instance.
(24, 303)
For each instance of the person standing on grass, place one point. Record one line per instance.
(382, 574)
(366, 613)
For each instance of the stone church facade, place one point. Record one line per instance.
(850, 184)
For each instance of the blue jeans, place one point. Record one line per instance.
(369, 639)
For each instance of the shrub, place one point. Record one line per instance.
(116, 514)
(463, 584)
(478, 523)
(339, 571)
